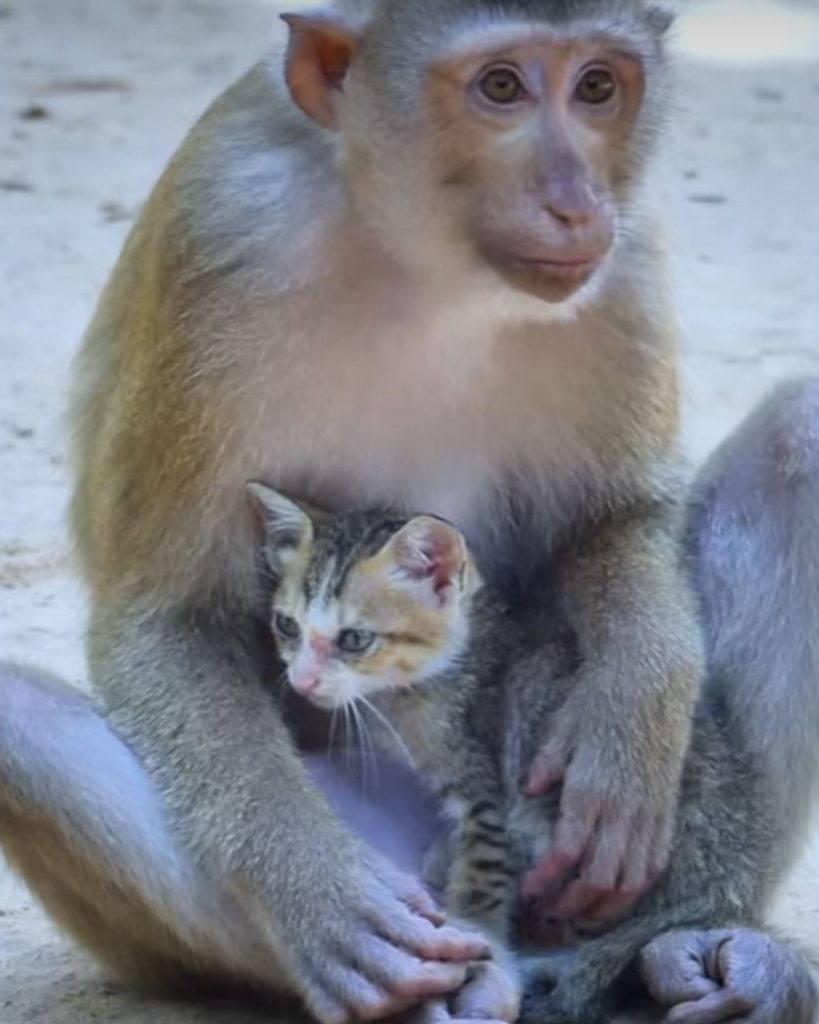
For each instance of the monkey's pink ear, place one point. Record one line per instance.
(318, 56)
(430, 555)
(660, 19)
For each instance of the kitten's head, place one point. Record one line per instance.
(364, 601)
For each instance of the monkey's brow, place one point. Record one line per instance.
(506, 36)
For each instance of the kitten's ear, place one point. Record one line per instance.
(287, 526)
(322, 45)
(430, 554)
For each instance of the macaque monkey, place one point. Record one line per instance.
(409, 263)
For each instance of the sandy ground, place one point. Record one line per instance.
(94, 96)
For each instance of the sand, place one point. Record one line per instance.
(95, 96)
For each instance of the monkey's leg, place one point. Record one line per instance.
(81, 822)
(755, 538)
(755, 535)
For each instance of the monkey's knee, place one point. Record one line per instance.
(83, 825)
(793, 410)
(755, 518)
(774, 453)
(30, 702)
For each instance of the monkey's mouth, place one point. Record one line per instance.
(568, 269)
(551, 278)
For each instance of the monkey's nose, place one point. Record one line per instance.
(572, 217)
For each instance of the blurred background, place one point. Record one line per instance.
(94, 97)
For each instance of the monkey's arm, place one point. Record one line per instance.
(617, 744)
(336, 924)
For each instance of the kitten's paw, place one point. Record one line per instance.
(492, 992)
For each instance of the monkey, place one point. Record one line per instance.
(494, 214)
(83, 821)
(407, 262)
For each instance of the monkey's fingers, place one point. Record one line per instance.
(617, 867)
(716, 1007)
(544, 878)
(597, 895)
(406, 887)
(575, 827)
(772, 976)
(548, 768)
(341, 994)
(608, 910)
(674, 968)
(407, 976)
(423, 904)
(417, 935)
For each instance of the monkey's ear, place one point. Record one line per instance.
(660, 19)
(429, 555)
(322, 44)
(287, 525)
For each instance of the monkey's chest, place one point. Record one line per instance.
(450, 419)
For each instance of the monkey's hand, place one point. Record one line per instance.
(618, 743)
(713, 976)
(615, 823)
(376, 946)
(492, 993)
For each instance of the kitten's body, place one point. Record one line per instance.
(466, 705)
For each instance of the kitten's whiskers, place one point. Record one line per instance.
(369, 758)
(382, 718)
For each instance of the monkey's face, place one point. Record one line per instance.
(509, 149)
(532, 157)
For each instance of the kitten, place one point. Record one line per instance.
(392, 612)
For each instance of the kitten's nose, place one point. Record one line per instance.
(307, 683)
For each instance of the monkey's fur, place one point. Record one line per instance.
(309, 308)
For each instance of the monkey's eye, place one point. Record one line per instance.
(596, 86)
(355, 641)
(502, 86)
(285, 626)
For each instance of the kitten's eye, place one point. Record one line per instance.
(502, 86)
(355, 641)
(285, 626)
(596, 86)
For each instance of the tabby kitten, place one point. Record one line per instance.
(392, 612)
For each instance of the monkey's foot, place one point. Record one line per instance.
(710, 977)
